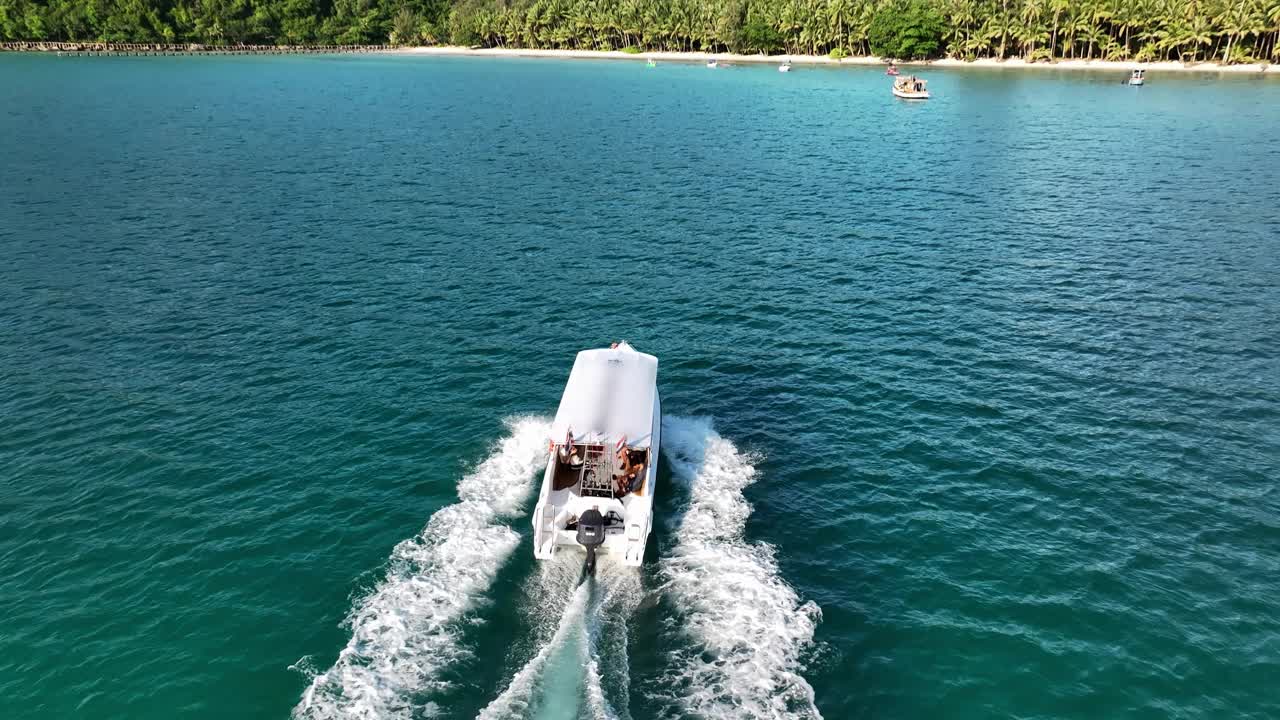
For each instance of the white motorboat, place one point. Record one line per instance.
(1138, 77)
(712, 63)
(598, 488)
(785, 67)
(910, 87)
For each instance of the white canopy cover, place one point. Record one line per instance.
(610, 394)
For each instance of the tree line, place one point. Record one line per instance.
(1143, 30)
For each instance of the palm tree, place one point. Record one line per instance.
(404, 27)
(1005, 25)
(1030, 36)
(1094, 36)
(1095, 12)
(1233, 20)
(1058, 7)
(1075, 25)
(1031, 27)
(1271, 14)
(1197, 33)
(1124, 16)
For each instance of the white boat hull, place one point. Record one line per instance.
(554, 518)
(1136, 81)
(911, 94)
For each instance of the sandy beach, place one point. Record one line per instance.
(730, 58)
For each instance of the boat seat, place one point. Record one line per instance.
(566, 476)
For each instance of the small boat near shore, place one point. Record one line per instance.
(1138, 77)
(598, 488)
(712, 63)
(893, 70)
(785, 67)
(911, 87)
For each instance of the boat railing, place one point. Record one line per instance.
(547, 527)
(596, 476)
(597, 472)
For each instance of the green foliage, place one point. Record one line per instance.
(761, 37)
(1040, 54)
(910, 30)
(838, 53)
(1195, 30)
(462, 26)
(404, 27)
(726, 33)
(632, 50)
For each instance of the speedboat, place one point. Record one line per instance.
(785, 67)
(911, 88)
(712, 63)
(597, 491)
(1137, 77)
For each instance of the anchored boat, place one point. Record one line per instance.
(597, 491)
(1138, 77)
(911, 88)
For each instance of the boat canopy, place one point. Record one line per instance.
(610, 394)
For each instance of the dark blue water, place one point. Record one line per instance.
(972, 404)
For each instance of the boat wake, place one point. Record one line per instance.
(409, 629)
(581, 661)
(742, 630)
(746, 627)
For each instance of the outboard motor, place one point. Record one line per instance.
(591, 536)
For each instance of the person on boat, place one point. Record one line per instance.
(627, 475)
(569, 454)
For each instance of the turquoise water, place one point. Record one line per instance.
(972, 404)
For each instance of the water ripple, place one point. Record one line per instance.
(1006, 366)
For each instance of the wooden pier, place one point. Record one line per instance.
(82, 49)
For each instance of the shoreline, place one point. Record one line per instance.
(702, 57)
(94, 49)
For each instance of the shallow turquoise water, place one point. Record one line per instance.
(972, 404)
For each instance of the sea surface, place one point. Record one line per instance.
(972, 405)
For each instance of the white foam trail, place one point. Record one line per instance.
(747, 625)
(517, 699)
(564, 676)
(408, 630)
(597, 704)
(622, 594)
